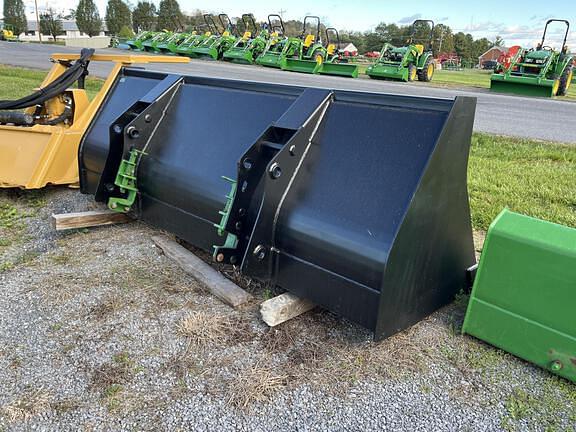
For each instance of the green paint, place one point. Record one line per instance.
(231, 240)
(127, 182)
(524, 293)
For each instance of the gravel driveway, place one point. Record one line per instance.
(100, 331)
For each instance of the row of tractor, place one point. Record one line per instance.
(540, 71)
(316, 50)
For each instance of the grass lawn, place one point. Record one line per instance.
(18, 82)
(534, 178)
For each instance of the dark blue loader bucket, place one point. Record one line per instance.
(356, 201)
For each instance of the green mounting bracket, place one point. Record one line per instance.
(231, 240)
(126, 181)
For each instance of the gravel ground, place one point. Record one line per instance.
(100, 331)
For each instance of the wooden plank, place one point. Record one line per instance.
(283, 307)
(88, 219)
(216, 283)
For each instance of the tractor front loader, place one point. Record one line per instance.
(335, 63)
(305, 53)
(273, 53)
(40, 133)
(332, 195)
(214, 46)
(252, 43)
(408, 62)
(543, 71)
(170, 45)
(186, 47)
(137, 43)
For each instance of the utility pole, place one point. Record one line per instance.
(281, 12)
(38, 21)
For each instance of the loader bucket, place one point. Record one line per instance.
(270, 60)
(391, 72)
(303, 66)
(524, 294)
(522, 85)
(332, 195)
(241, 56)
(207, 53)
(339, 69)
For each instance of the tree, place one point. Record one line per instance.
(15, 16)
(118, 15)
(51, 23)
(126, 32)
(499, 42)
(87, 18)
(144, 16)
(169, 16)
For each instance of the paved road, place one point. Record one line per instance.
(538, 118)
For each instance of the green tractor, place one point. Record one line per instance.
(170, 45)
(408, 62)
(215, 45)
(248, 47)
(543, 71)
(305, 53)
(187, 46)
(152, 44)
(137, 43)
(7, 33)
(336, 63)
(272, 54)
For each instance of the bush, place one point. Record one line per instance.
(126, 32)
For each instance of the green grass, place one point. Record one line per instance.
(476, 78)
(530, 177)
(466, 77)
(17, 82)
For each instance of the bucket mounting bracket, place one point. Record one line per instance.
(266, 173)
(130, 137)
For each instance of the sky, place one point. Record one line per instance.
(519, 23)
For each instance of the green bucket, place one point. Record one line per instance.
(339, 69)
(303, 66)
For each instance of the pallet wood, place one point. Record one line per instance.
(283, 307)
(66, 221)
(223, 288)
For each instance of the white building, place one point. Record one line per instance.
(70, 32)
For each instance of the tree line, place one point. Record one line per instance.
(121, 20)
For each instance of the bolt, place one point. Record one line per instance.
(117, 129)
(556, 365)
(241, 212)
(238, 226)
(233, 260)
(275, 171)
(259, 252)
(247, 164)
(132, 132)
(113, 205)
(244, 186)
(292, 150)
(220, 257)
(147, 118)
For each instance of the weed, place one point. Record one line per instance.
(32, 402)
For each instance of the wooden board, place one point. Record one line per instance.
(283, 307)
(214, 281)
(88, 219)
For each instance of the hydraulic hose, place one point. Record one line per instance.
(56, 87)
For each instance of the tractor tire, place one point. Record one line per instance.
(565, 81)
(427, 72)
(412, 72)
